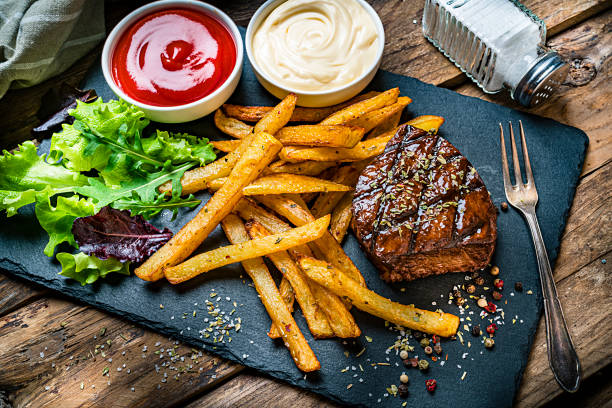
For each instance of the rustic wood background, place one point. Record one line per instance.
(53, 352)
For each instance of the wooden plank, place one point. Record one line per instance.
(55, 353)
(584, 99)
(407, 52)
(16, 293)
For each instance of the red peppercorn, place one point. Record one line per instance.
(491, 328)
(498, 283)
(496, 295)
(435, 339)
(490, 307)
(431, 385)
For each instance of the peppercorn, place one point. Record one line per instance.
(428, 350)
(403, 390)
(407, 363)
(498, 283)
(490, 307)
(489, 342)
(460, 301)
(423, 365)
(491, 328)
(496, 295)
(475, 275)
(403, 354)
(479, 281)
(438, 349)
(494, 271)
(470, 288)
(404, 378)
(476, 331)
(518, 286)
(414, 362)
(504, 206)
(424, 342)
(430, 385)
(482, 302)
(417, 335)
(456, 293)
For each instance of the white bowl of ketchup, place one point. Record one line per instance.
(177, 60)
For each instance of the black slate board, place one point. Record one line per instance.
(492, 377)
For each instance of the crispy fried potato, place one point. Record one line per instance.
(225, 146)
(278, 117)
(325, 202)
(286, 292)
(231, 126)
(258, 155)
(438, 323)
(372, 119)
(390, 124)
(358, 109)
(222, 256)
(362, 151)
(327, 245)
(341, 217)
(315, 318)
(338, 316)
(272, 300)
(255, 113)
(284, 184)
(321, 135)
(307, 168)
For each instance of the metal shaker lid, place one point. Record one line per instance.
(541, 81)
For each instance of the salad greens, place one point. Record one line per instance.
(102, 159)
(87, 268)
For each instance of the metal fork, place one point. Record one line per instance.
(524, 197)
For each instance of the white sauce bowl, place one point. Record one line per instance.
(318, 98)
(190, 111)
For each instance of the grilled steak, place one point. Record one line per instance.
(420, 209)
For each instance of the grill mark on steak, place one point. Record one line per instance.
(422, 185)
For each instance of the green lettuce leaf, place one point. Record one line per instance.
(58, 220)
(24, 174)
(87, 269)
(179, 148)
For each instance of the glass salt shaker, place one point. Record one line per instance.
(497, 43)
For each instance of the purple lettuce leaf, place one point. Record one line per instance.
(114, 233)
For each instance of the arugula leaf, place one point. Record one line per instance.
(149, 209)
(87, 269)
(58, 220)
(24, 174)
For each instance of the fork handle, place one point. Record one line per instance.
(562, 356)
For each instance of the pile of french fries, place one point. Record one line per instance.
(285, 193)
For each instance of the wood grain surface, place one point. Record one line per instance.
(48, 345)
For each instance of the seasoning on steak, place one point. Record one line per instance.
(420, 209)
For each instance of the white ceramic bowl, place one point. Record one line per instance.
(313, 99)
(190, 111)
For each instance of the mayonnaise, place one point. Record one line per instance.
(321, 45)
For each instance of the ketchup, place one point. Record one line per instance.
(173, 57)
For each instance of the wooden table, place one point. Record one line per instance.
(47, 342)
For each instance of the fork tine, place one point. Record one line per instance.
(505, 170)
(530, 180)
(518, 178)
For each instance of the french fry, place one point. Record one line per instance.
(286, 292)
(231, 126)
(321, 135)
(197, 179)
(325, 202)
(258, 155)
(386, 126)
(255, 113)
(315, 318)
(307, 168)
(338, 316)
(272, 300)
(225, 146)
(351, 112)
(222, 256)
(278, 117)
(363, 150)
(284, 184)
(372, 119)
(438, 323)
(326, 244)
(341, 217)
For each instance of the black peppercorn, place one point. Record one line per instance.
(475, 275)
(456, 293)
(476, 331)
(518, 286)
(403, 390)
(479, 281)
(504, 206)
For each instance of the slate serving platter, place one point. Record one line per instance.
(491, 376)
